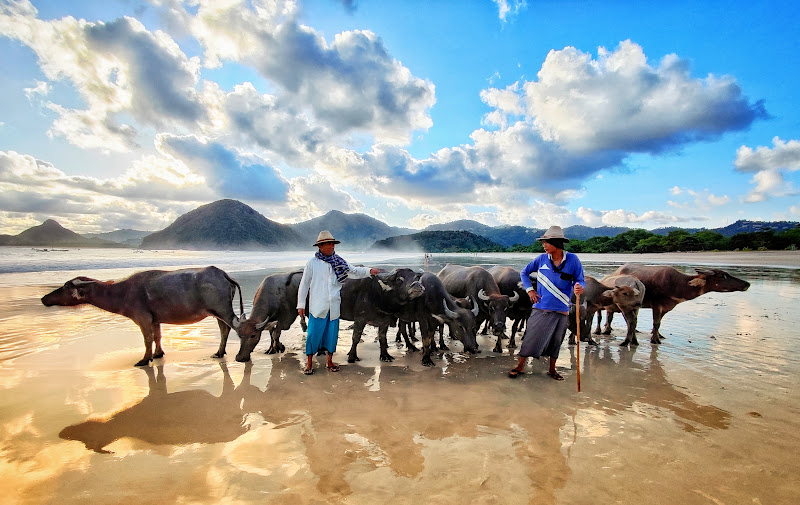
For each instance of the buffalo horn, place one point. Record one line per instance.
(482, 295)
(475, 308)
(513, 299)
(450, 313)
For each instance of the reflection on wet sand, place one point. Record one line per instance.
(345, 428)
(619, 384)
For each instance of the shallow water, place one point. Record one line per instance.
(710, 416)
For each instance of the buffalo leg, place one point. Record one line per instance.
(385, 356)
(147, 333)
(426, 332)
(512, 343)
(631, 319)
(275, 346)
(599, 322)
(358, 329)
(406, 335)
(609, 318)
(497, 347)
(159, 351)
(224, 330)
(657, 315)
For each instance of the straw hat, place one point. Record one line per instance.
(554, 232)
(325, 236)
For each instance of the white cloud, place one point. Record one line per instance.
(621, 217)
(769, 184)
(507, 9)
(620, 102)
(350, 84)
(782, 156)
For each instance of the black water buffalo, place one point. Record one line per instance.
(153, 297)
(666, 287)
(478, 283)
(274, 309)
(377, 300)
(436, 307)
(622, 292)
(509, 282)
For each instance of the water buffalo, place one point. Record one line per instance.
(666, 287)
(478, 283)
(376, 300)
(153, 297)
(274, 310)
(437, 307)
(623, 293)
(519, 310)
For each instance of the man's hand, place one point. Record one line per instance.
(578, 289)
(301, 312)
(374, 271)
(534, 296)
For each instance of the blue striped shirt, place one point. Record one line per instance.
(554, 291)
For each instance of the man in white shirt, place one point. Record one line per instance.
(322, 284)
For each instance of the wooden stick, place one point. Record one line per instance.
(578, 331)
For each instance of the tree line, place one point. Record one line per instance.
(643, 241)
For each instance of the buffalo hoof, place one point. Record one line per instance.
(413, 348)
(443, 347)
(158, 355)
(242, 360)
(655, 340)
(498, 349)
(386, 358)
(427, 361)
(143, 362)
(353, 359)
(218, 355)
(511, 345)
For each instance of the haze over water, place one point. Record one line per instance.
(710, 416)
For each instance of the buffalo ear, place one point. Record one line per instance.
(697, 282)
(609, 293)
(705, 271)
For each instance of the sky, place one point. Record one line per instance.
(122, 114)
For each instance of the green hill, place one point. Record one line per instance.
(438, 242)
(355, 231)
(224, 224)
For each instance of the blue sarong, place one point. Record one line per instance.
(322, 334)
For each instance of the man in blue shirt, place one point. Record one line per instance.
(558, 273)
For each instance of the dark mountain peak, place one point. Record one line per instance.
(224, 224)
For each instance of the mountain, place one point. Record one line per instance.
(506, 236)
(132, 238)
(355, 231)
(52, 234)
(744, 226)
(437, 242)
(580, 232)
(224, 224)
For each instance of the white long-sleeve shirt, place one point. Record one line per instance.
(319, 282)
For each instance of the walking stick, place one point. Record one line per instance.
(578, 325)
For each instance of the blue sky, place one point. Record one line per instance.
(128, 113)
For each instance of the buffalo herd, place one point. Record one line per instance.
(461, 298)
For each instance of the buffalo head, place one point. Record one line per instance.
(713, 279)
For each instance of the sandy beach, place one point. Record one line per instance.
(708, 417)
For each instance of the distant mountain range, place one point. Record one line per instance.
(230, 224)
(52, 234)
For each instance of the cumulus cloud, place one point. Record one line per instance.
(782, 156)
(619, 101)
(349, 84)
(697, 200)
(116, 68)
(313, 196)
(229, 173)
(768, 166)
(621, 217)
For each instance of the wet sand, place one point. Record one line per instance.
(708, 417)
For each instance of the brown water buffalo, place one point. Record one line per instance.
(666, 287)
(153, 297)
(477, 283)
(623, 293)
(274, 309)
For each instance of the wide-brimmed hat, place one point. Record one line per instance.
(325, 236)
(554, 232)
